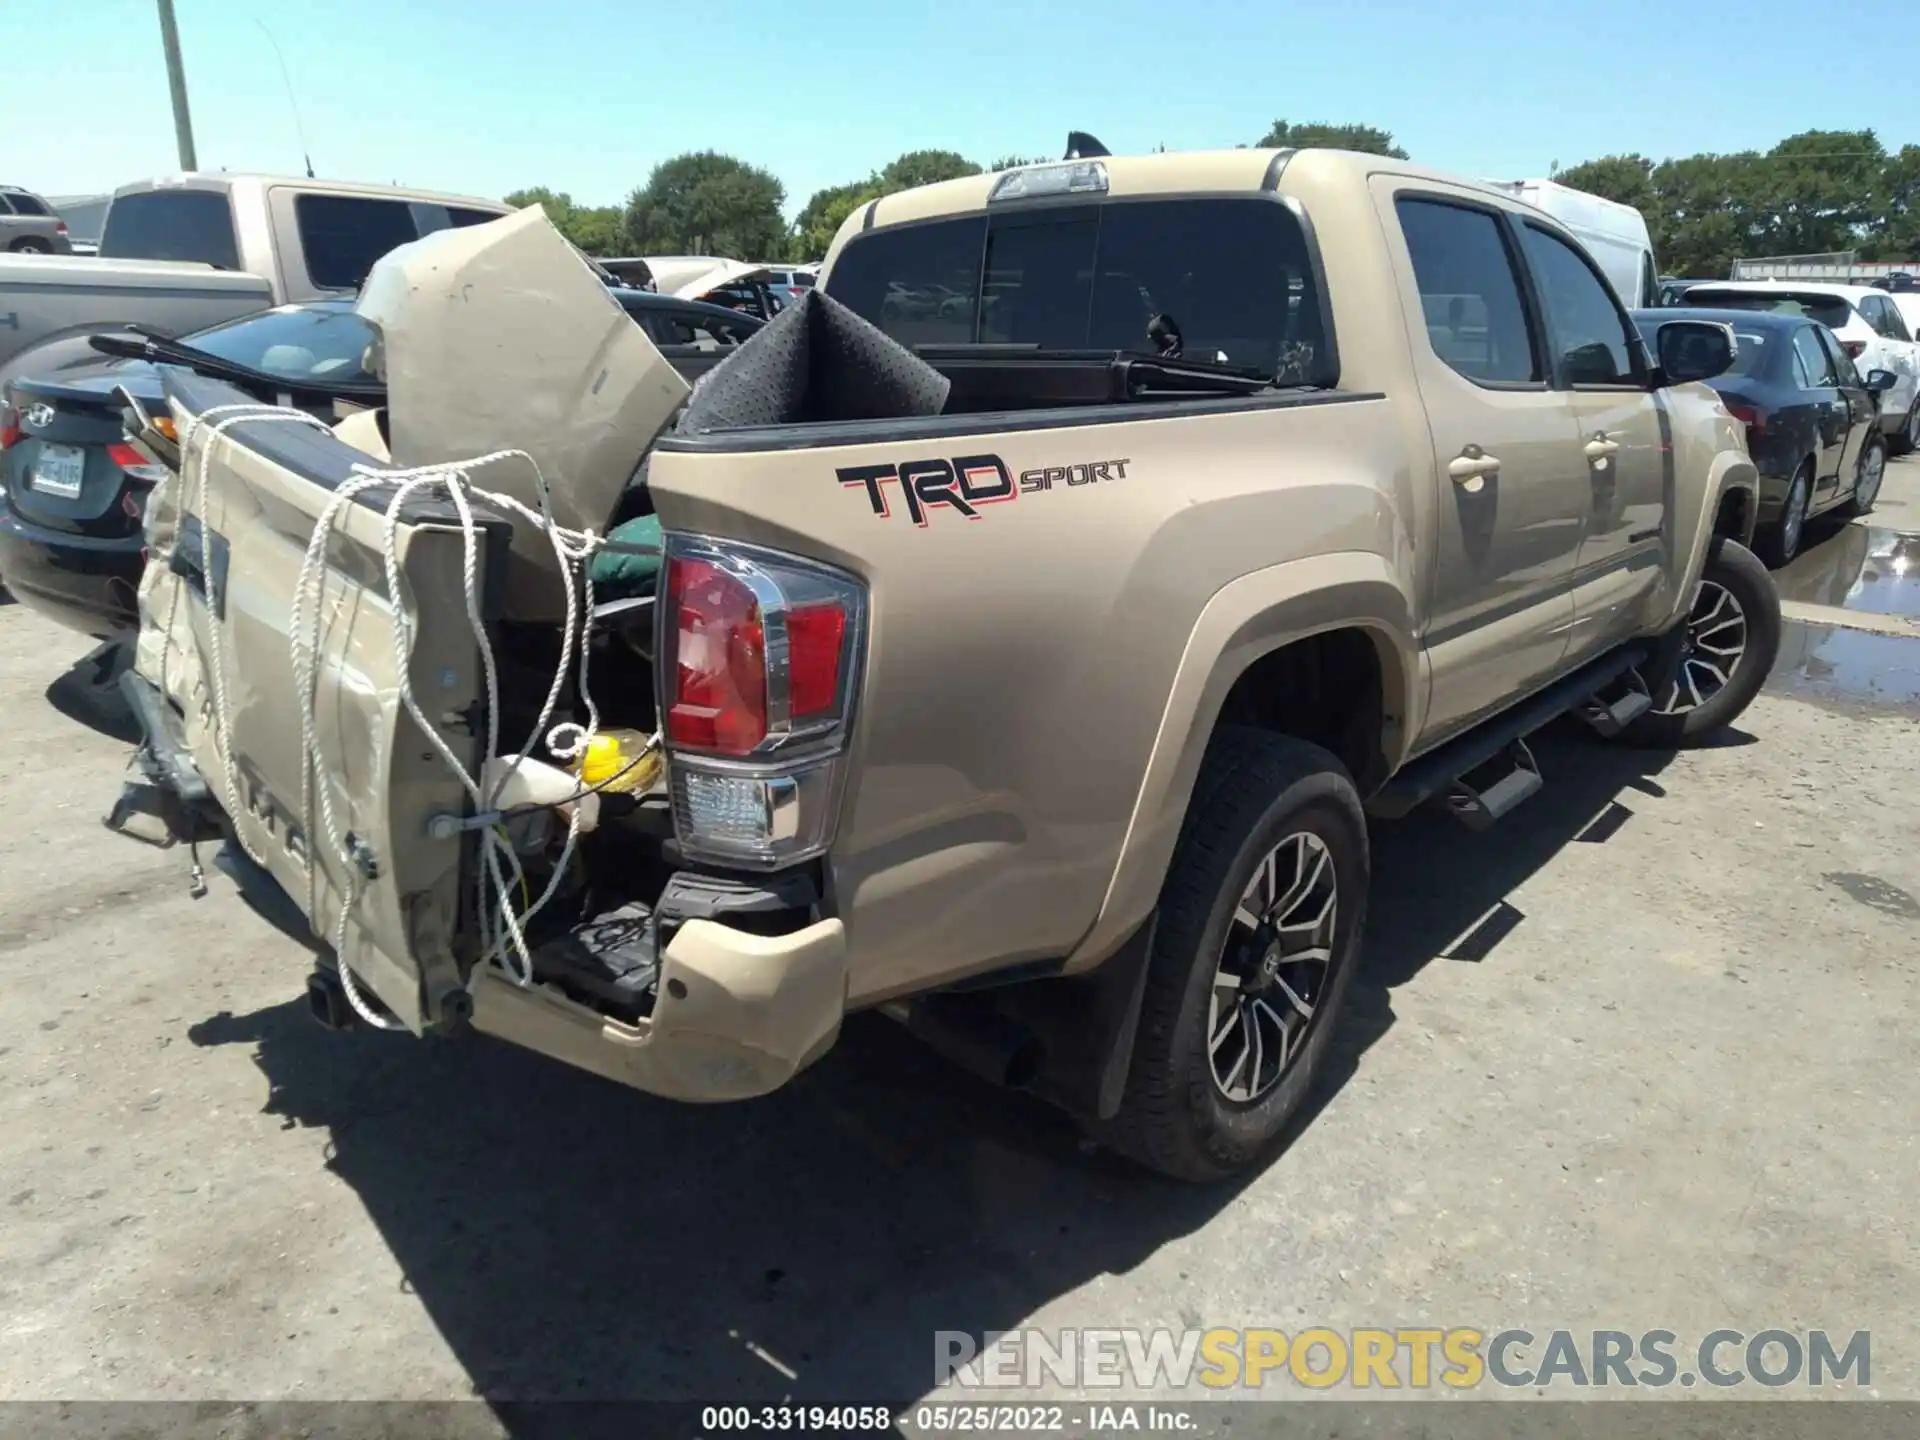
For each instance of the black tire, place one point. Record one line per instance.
(31, 245)
(1859, 505)
(1907, 439)
(1740, 575)
(1779, 542)
(1256, 791)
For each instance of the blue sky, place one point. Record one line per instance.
(484, 96)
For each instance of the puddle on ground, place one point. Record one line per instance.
(1852, 669)
(1860, 567)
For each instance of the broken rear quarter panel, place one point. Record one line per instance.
(1022, 656)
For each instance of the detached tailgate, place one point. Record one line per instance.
(216, 613)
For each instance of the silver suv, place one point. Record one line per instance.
(28, 224)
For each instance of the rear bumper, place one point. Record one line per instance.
(87, 584)
(738, 1015)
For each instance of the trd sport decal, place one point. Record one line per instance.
(966, 483)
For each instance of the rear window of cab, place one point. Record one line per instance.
(1230, 279)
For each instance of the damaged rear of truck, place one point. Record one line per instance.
(963, 613)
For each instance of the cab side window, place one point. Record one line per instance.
(1470, 290)
(1589, 333)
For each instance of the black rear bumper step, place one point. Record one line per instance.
(1420, 780)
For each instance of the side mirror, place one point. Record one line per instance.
(1881, 381)
(1692, 350)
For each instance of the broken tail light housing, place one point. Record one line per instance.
(1751, 416)
(1854, 348)
(134, 465)
(9, 427)
(758, 661)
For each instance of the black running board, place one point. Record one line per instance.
(1437, 771)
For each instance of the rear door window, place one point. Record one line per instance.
(24, 204)
(1589, 332)
(171, 225)
(1469, 290)
(343, 235)
(1811, 360)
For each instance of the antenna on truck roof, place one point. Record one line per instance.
(1082, 146)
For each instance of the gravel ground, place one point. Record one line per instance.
(1667, 1082)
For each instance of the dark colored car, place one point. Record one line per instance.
(1673, 288)
(1812, 422)
(73, 492)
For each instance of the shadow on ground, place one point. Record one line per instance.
(573, 1240)
(88, 692)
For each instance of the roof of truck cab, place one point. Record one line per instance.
(1185, 173)
(236, 180)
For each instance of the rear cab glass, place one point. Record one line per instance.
(1231, 278)
(171, 225)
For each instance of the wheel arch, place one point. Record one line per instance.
(1352, 610)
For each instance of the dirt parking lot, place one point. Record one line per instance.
(1642, 1057)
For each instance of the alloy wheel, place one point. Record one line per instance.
(1793, 518)
(1715, 645)
(1274, 969)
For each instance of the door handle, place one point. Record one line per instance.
(1472, 468)
(1600, 447)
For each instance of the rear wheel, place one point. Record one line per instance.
(1780, 542)
(1259, 930)
(31, 245)
(1906, 439)
(1728, 646)
(1867, 476)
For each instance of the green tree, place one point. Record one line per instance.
(706, 203)
(1626, 178)
(924, 167)
(1313, 135)
(1894, 233)
(1818, 189)
(820, 219)
(1014, 162)
(596, 229)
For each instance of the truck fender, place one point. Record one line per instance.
(1253, 616)
(1730, 476)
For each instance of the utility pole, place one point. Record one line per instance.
(177, 83)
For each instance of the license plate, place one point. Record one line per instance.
(59, 469)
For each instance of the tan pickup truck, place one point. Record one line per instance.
(1040, 615)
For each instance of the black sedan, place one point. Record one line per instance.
(73, 492)
(1812, 421)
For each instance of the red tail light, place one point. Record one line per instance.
(816, 634)
(9, 427)
(61, 226)
(1751, 416)
(718, 699)
(757, 661)
(1854, 348)
(134, 464)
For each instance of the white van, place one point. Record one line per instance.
(1614, 234)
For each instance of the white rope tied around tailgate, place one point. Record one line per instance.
(503, 929)
(194, 488)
